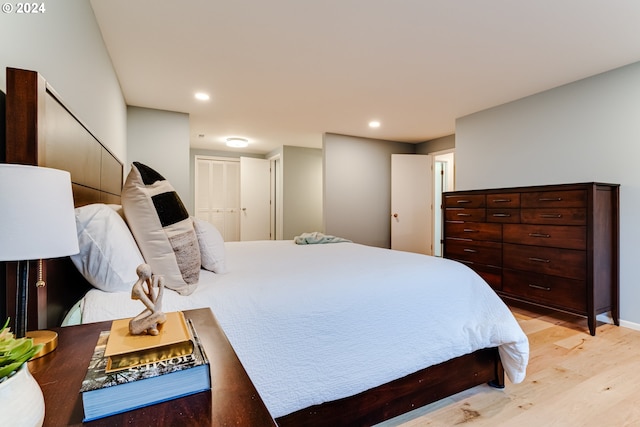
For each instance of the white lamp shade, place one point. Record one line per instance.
(37, 219)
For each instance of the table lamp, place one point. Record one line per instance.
(37, 222)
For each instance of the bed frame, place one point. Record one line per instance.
(41, 130)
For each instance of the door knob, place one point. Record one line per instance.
(395, 215)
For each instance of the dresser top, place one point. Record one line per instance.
(552, 187)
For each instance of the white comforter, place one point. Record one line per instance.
(314, 323)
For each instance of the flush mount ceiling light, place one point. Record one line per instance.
(237, 142)
(374, 124)
(202, 96)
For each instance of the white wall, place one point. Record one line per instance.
(581, 132)
(64, 44)
(160, 140)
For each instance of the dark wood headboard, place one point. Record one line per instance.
(41, 130)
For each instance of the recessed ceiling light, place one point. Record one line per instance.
(202, 96)
(374, 124)
(237, 142)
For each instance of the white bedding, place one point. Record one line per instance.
(314, 323)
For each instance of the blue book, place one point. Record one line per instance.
(105, 394)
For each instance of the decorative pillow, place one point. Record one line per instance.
(162, 227)
(108, 255)
(211, 244)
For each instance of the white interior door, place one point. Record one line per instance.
(411, 203)
(255, 220)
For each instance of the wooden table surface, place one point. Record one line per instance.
(232, 401)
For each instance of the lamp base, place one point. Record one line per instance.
(48, 339)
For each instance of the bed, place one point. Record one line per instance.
(330, 334)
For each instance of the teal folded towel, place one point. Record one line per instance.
(317, 237)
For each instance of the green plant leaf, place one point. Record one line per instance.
(8, 369)
(14, 352)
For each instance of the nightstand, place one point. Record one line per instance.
(232, 401)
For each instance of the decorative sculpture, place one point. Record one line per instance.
(148, 289)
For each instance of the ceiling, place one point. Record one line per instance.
(283, 72)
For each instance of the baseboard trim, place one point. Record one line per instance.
(625, 323)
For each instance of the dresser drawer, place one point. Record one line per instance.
(492, 275)
(557, 236)
(503, 215)
(464, 201)
(554, 199)
(489, 273)
(474, 214)
(488, 253)
(559, 216)
(557, 262)
(474, 231)
(500, 201)
(555, 291)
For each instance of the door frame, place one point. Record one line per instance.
(277, 225)
(447, 156)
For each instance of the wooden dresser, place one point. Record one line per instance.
(555, 245)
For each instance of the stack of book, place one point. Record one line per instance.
(131, 371)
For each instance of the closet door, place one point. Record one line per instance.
(217, 195)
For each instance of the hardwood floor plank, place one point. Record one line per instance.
(573, 379)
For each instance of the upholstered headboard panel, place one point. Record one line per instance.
(41, 130)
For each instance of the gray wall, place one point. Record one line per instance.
(64, 44)
(357, 187)
(302, 190)
(438, 144)
(584, 131)
(160, 140)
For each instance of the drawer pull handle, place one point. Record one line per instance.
(501, 215)
(550, 215)
(544, 288)
(464, 214)
(473, 251)
(463, 201)
(470, 230)
(539, 235)
(539, 260)
(550, 199)
(501, 200)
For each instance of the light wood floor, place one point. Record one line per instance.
(573, 379)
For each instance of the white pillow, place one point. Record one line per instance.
(211, 242)
(108, 255)
(162, 227)
(118, 209)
